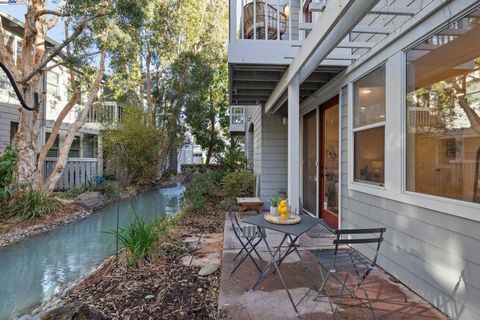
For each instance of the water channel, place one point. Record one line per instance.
(32, 271)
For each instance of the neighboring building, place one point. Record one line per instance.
(86, 156)
(368, 114)
(190, 153)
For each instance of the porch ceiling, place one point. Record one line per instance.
(252, 84)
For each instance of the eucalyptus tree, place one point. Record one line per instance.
(89, 27)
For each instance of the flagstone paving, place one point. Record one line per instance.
(392, 300)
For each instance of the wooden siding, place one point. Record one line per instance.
(270, 153)
(435, 254)
(8, 113)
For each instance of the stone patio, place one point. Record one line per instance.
(391, 299)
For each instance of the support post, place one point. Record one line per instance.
(294, 144)
(100, 154)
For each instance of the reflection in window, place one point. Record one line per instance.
(53, 152)
(443, 112)
(75, 148)
(369, 127)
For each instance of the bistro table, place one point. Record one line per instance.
(292, 233)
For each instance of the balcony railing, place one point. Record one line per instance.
(237, 120)
(264, 20)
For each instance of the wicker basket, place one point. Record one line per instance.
(263, 10)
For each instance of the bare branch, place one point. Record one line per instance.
(52, 12)
(74, 127)
(78, 30)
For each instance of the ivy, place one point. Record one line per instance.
(8, 162)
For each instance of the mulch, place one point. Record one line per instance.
(162, 288)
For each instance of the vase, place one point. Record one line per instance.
(273, 211)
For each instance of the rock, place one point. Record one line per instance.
(91, 200)
(208, 270)
(74, 312)
(150, 296)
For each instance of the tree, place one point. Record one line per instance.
(83, 19)
(206, 101)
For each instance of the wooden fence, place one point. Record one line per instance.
(77, 172)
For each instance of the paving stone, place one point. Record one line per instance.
(208, 270)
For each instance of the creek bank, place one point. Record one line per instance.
(13, 231)
(167, 286)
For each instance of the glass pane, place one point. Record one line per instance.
(369, 98)
(443, 106)
(330, 159)
(369, 155)
(310, 162)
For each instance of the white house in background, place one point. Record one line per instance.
(190, 153)
(368, 114)
(86, 156)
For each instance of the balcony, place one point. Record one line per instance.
(264, 31)
(237, 120)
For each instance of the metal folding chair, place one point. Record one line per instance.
(249, 238)
(344, 260)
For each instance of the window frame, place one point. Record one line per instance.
(55, 95)
(353, 130)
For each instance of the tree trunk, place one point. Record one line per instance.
(148, 80)
(26, 139)
(64, 150)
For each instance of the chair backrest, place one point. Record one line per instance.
(242, 232)
(362, 236)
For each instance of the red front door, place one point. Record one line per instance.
(329, 162)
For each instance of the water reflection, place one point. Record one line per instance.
(33, 270)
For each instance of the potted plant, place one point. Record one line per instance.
(273, 206)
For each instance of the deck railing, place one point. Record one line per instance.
(273, 20)
(237, 119)
(77, 172)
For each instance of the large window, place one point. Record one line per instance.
(369, 127)
(443, 112)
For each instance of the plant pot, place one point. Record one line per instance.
(273, 211)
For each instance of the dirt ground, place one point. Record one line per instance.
(162, 288)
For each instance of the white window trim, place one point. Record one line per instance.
(352, 183)
(394, 187)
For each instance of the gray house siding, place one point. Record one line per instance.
(269, 153)
(435, 254)
(8, 114)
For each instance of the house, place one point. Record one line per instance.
(367, 113)
(86, 155)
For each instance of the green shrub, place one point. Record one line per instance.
(231, 161)
(142, 146)
(239, 184)
(107, 188)
(203, 185)
(29, 204)
(139, 238)
(7, 169)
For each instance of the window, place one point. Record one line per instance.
(89, 146)
(9, 43)
(369, 127)
(443, 108)
(13, 131)
(75, 148)
(19, 54)
(53, 152)
(53, 87)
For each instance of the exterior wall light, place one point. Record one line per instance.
(285, 120)
(286, 10)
